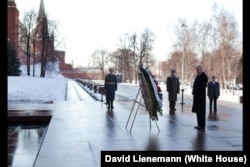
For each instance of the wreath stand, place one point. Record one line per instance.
(138, 106)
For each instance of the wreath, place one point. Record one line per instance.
(151, 93)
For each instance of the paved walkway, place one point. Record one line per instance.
(81, 128)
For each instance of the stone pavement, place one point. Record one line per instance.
(81, 127)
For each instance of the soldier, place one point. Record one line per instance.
(213, 93)
(110, 85)
(173, 88)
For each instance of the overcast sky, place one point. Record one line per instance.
(87, 25)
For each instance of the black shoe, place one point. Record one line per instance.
(112, 107)
(199, 128)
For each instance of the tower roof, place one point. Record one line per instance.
(41, 10)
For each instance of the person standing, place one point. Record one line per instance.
(173, 88)
(199, 97)
(213, 93)
(110, 84)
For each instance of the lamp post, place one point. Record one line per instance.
(182, 70)
(182, 80)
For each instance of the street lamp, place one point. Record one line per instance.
(182, 81)
(182, 71)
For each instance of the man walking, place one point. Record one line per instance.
(199, 97)
(213, 93)
(173, 88)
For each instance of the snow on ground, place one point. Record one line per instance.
(28, 88)
(36, 89)
(53, 87)
(225, 95)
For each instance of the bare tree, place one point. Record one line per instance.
(174, 62)
(215, 43)
(115, 60)
(124, 48)
(37, 38)
(28, 32)
(34, 54)
(46, 37)
(186, 42)
(203, 39)
(135, 57)
(101, 58)
(225, 37)
(146, 47)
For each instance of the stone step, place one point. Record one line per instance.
(29, 116)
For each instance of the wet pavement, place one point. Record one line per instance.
(81, 127)
(24, 142)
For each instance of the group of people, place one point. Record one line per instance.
(199, 94)
(173, 88)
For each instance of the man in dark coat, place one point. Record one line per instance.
(213, 93)
(110, 84)
(199, 97)
(173, 88)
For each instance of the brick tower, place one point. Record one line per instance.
(13, 22)
(44, 40)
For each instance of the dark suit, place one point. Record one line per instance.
(213, 92)
(110, 85)
(199, 99)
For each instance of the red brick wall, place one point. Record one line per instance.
(13, 22)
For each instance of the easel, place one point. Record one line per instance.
(139, 104)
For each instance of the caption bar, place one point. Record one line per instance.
(113, 158)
